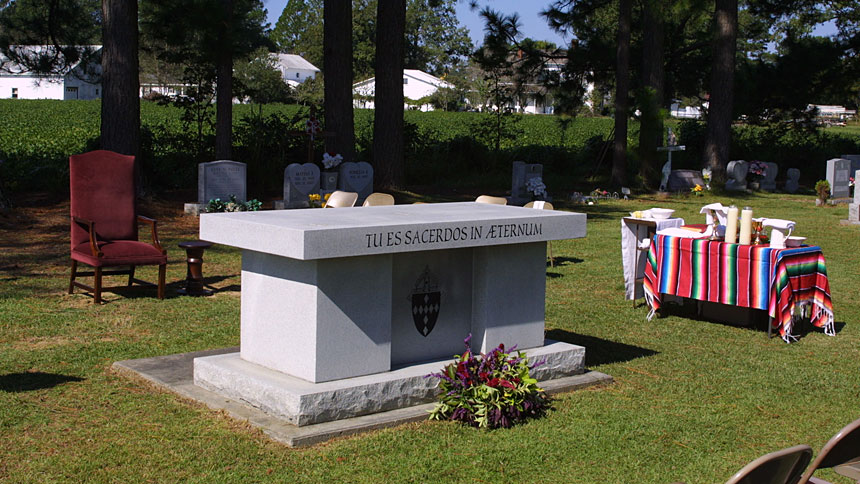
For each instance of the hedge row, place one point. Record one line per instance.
(443, 148)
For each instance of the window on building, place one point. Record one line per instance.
(405, 80)
(14, 93)
(297, 75)
(97, 91)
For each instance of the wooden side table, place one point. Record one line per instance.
(194, 277)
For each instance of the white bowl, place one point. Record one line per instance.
(794, 241)
(661, 213)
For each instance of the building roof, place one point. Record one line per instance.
(414, 74)
(293, 61)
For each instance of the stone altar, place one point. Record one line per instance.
(340, 304)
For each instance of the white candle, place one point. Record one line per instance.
(746, 226)
(732, 225)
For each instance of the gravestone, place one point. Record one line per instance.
(838, 170)
(854, 208)
(769, 181)
(300, 180)
(219, 179)
(736, 174)
(855, 162)
(792, 184)
(356, 177)
(684, 180)
(521, 173)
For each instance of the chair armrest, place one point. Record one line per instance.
(154, 224)
(90, 226)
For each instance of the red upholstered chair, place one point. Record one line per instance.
(104, 222)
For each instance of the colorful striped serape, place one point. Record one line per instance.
(780, 281)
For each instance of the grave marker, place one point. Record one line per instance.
(838, 170)
(220, 179)
(769, 181)
(300, 180)
(793, 182)
(356, 177)
(736, 172)
(521, 173)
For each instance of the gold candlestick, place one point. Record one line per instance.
(757, 225)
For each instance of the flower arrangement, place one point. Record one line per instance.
(706, 175)
(698, 190)
(232, 205)
(599, 193)
(331, 160)
(317, 201)
(536, 187)
(489, 391)
(757, 169)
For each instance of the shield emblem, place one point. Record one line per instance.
(425, 311)
(425, 302)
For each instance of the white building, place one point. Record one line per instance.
(416, 85)
(294, 68)
(80, 82)
(685, 112)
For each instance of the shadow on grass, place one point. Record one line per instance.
(37, 380)
(600, 351)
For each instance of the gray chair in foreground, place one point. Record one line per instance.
(339, 199)
(492, 200)
(781, 467)
(841, 452)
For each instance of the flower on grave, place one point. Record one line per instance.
(331, 160)
(490, 390)
(850, 181)
(536, 187)
(315, 200)
(706, 174)
(312, 126)
(599, 193)
(697, 190)
(757, 169)
(232, 205)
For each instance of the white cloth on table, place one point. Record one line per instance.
(684, 233)
(778, 223)
(633, 236)
(717, 208)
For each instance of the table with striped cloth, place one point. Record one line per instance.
(780, 281)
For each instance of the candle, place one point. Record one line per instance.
(732, 225)
(746, 226)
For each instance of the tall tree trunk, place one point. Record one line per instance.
(719, 136)
(120, 110)
(224, 87)
(651, 93)
(622, 86)
(388, 99)
(337, 68)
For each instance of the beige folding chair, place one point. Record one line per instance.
(376, 199)
(492, 200)
(781, 467)
(841, 452)
(339, 199)
(544, 206)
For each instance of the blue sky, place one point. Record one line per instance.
(532, 24)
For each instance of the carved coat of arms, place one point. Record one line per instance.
(425, 302)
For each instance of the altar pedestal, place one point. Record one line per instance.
(333, 296)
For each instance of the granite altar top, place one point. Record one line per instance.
(344, 232)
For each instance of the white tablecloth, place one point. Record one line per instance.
(632, 260)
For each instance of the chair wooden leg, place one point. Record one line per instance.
(131, 276)
(72, 278)
(97, 285)
(162, 270)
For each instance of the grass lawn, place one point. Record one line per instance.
(693, 400)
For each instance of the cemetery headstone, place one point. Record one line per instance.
(838, 170)
(219, 179)
(736, 172)
(855, 162)
(769, 181)
(300, 180)
(792, 184)
(521, 173)
(854, 208)
(356, 177)
(684, 180)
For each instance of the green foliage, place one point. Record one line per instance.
(488, 391)
(232, 205)
(822, 189)
(299, 30)
(259, 80)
